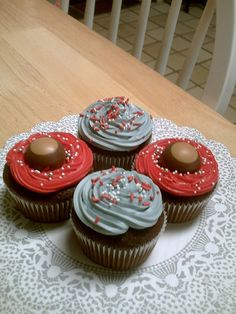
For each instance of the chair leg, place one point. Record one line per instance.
(89, 13)
(141, 28)
(197, 41)
(222, 76)
(115, 19)
(168, 36)
(65, 5)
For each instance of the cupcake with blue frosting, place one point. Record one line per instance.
(118, 217)
(116, 130)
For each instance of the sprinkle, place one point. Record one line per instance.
(140, 198)
(139, 113)
(113, 168)
(97, 219)
(136, 180)
(130, 178)
(151, 198)
(131, 197)
(146, 186)
(146, 203)
(101, 183)
(95, 199)
(81, 115)
(95, 180)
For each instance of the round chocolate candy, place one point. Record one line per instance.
(180, 156)
(45, 153)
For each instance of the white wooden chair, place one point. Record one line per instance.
(222, 74)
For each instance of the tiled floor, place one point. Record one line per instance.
(187, 23)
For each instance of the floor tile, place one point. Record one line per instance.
(160, 20)
(203, 55)
(206, 64)
(199, 75)
(146, 58)
(209, 47)
(126, 30)
(182, 29)
(124, 44)
(180, 43)
(128, 16)
(195, 11)
(153, 49)
(147, 40)
(196, 91)
(176, 61)
(156, 33)
(233, 102)
(230, 114)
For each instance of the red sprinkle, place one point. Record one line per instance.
(95, 199)
(146, 186)
(97, 219)
(136, 180)
(131, 197)
(146, 203)
(140, 198)
(81, 115)
(113, 168)
(101, 182)
(151, 198)
(139, 113)
(130, 178)
(95, 180)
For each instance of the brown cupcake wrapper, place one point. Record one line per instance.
(116, 258)
(106, 161)
(184, 211)
(51, 212)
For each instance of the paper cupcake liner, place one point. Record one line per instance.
(106, 161)
(116, 258)
(178, 212)
(51, 212)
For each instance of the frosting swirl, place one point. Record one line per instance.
(115, 124)
(114, 200)
(189, 184)
(78, 162)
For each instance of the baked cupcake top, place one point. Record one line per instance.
(197, 178)
(114, 124)
(114, 200)
(49, 162)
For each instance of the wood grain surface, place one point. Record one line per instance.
(51, 65)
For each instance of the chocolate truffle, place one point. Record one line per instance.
(180, 156)
(45, 153)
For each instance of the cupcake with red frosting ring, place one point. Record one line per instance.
(185, 171)
(42, 171)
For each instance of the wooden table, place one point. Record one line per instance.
(51, 65)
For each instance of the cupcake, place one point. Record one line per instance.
(115, 130)
(185, 171)
(118, 217)
(41, 173)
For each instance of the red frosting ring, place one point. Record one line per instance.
(77, 164)
(190, 184)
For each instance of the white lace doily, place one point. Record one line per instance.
(192, 269)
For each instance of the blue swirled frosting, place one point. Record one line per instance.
(114, 200)
(114, 124)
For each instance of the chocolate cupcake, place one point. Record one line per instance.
(118, 217)
(185, 171)
(115, 130)
(41, 173)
